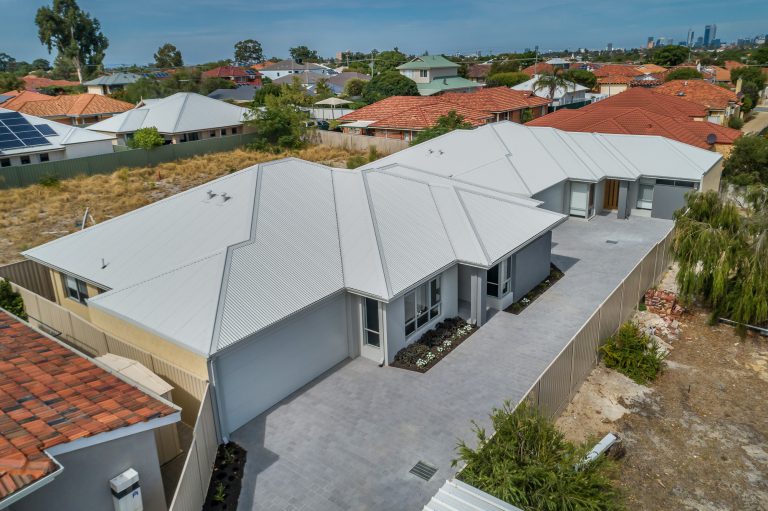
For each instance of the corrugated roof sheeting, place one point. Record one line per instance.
(465, 244)
(294, 258)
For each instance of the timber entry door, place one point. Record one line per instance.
(611, 194)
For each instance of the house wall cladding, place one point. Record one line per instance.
(19, 176)
(559, 382)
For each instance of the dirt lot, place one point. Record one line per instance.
(36, 214)
(697, 437)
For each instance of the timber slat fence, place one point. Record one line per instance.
(25, 175)
(559, 382)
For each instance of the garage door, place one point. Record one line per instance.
(262, 371)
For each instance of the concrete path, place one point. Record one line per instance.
(348, 440)
(759, 123)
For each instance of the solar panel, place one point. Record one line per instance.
(16, 132)
(10, 115)
(44, 129)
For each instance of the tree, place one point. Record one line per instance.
(683, 73)
(747, 163)
(278, 125)
(670, 56)
(354, 87)
(748, 74)
(9, 82)
(506, 79)
(7, 63)
(76, 36)
(504, 66)
(582, 77)
(323, 90)
(723, 254)
(388, 61)
(359, 67)
(303, 54)
(168, 56)
(41, 64)
(550, 82)
(445, 124)
(295, 93)
(248, 52)
(146, 138)
(267, 89)
(760, 56)
(388, 84)
(143, 88)
(10, 300)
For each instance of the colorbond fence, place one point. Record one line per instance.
(31, 275)
(560, 381)
(189, 389)
(358, 142)
(25, 175)
(196, 475)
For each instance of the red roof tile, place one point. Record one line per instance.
(225, 72)
(478, 70)
(50, 395)
(67, 105)
(704, 93)
(622, 79)
(617, 70)
(648, 99)
(495, 99)
(32, 82)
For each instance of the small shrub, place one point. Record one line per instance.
(633, 354)
(146, 138)
(220, 495)
(356, 161)
(735, 123)
(529, 464)
(373, 153)
(10, 300)
(50, 180)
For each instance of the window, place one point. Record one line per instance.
(5, 162)
(645, 195)
(371, 332)
(44, 157)
(212, 134)
(25, 160)
(75, 289)
(669, 182)
(423, 73)
(499, 278)
(234, 131)
(192, 137)
(223, 132)
(422, 305)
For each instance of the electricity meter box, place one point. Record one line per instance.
(126, 492)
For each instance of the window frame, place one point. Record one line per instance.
(430, 292)
(5, 162)
(25, 159)
(423, 73)
(77, 292)
(369, 331)
(503, 281)
(44, 157)
(644, 204)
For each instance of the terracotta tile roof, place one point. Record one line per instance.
(602, 80)
(225, 72)
(50, 395)
(478, 70)
(704, 93)
(32, 82)
(648, 99)
(74, 105)
(602, 117)
(21, 98)
(616, 70)
(421, 112)
(732, 64)
(651, 68)
(539, 68)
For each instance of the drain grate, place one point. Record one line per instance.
(423, 470)
(612, 242)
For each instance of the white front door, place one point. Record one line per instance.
(579, 199)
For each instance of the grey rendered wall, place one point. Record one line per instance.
(396, 314)
(553, 197)
(667, 199)
(465, 283)
(599, 193)
(260, 371)
(532, 265)
(84, 483)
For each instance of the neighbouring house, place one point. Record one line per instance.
(68, 425)
(730, 65)
(241, 95)
(435, 74)
(310, 80)
(181, 117)
(650, 68)
(614, 115)
(112, 83)
(552, 65)
(276, 70)
(35, 83)
(478, 72)
(402, 117)
(237, 75)
(26, 139)
(578, 174)
(721, 103)
(614, 79)
(573, 96)
(315, 265)
(74, 109)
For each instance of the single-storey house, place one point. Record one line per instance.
(266, 278)
(721, 103)
(181, 117)
(237, 75)
(69, 425)
(573, 95)
(111, 83)
(276, 70)
(435, 74)
(479, 72)
(26, 139)
(310, 80)
(578, 174)
(242, 95)
(74, 109)
(34, 83)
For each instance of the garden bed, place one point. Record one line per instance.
(226, 480)
(434, 345)
(519, 306)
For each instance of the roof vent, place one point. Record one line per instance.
(225, 197)
(104, 264)
(430, 151)
(612, 242)
(423, 470)
(210, 194)
(440, 151)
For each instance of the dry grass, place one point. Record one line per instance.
(35, 214)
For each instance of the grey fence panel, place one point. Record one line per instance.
(631, 293)
(30, 275)
(555, 389)
(648, 272)
(610, 314)
(585, 354)
(661, 258)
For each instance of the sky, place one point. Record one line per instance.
(206, 30)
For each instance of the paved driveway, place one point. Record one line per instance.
(348, 440)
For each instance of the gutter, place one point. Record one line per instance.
(31, 488)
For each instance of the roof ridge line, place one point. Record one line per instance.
(181, 109)
(509, 157)
(442, 221)
(377, 234)
(338, 230)
(474, 228)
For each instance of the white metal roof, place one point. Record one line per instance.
(206, 273)
(65, 135)
(179, 113)
(513, 158)
(531, 85)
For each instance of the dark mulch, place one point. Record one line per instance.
(444, 337)
(519, 306)
(226, 481)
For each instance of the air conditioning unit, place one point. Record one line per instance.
(126, 492)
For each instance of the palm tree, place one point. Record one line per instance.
(551, 82)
